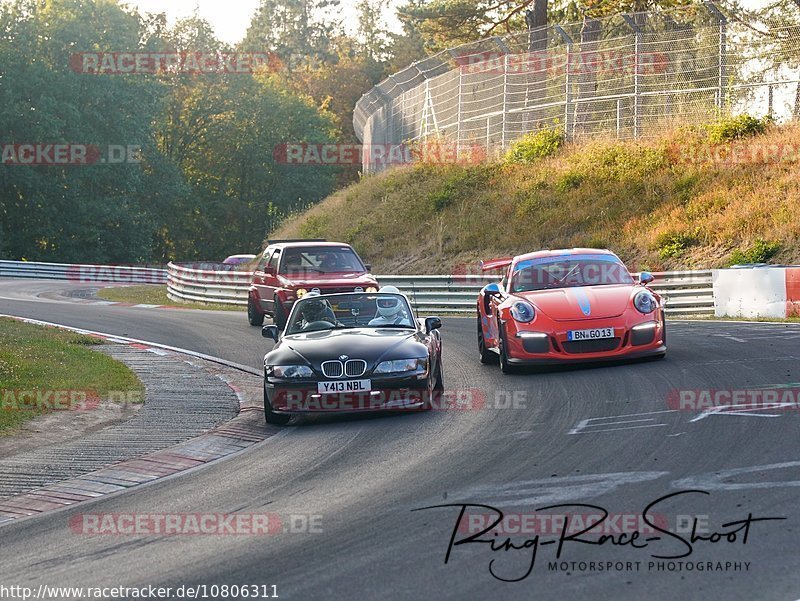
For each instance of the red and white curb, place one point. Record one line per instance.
(245, 430)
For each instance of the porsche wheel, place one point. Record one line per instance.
(486, 356)
(272, 418)
(255, 317)
(505, 366)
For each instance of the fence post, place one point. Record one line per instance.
(568, 114)
(637, 74)
(460, 111)
(722, 51)
(770, 92)
(619, 117)
(505, 102)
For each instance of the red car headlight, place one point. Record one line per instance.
(523, 311)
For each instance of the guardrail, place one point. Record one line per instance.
(687, 292)
(120, 274)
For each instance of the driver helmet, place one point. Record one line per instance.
(313, 309)
(389, 307)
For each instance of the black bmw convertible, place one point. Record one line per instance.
(352, 352)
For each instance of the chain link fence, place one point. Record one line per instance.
(629, 76)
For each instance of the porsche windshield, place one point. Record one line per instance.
(357, 310)
(568, 271)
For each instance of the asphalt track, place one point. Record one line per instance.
(602, 435)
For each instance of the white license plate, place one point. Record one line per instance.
(594, 334)
(344, 386)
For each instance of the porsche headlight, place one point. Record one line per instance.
(523, 311)
(645, 302)
(402, 366)
(290, 371)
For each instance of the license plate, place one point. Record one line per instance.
(594, 334)
(344, 386)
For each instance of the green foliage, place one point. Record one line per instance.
(535, 145)
(671, 245)
(569, 181)
(619, 161)
(734, 128)
(314, 226)
(207, 186)
(459, 184)
(760, 252)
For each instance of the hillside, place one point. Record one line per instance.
(697, 197)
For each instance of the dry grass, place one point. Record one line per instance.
(660, 204)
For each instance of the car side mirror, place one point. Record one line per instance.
(270, 332)
(432, 323)
(368, 266)
(492, 289)
(645, 278)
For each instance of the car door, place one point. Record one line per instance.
(271, 280)
(264, 281)
(491, 333)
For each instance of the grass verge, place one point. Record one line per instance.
(38, 360)
(156, 295)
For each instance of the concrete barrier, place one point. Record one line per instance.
(759, 291)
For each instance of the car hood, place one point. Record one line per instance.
(581, 302)
(370, 344)
(318, 280)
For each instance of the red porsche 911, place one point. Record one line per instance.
(568, 306)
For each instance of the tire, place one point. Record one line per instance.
(486, 356)
(272, 418)
(279, 315)
(505, 367)
(438, 385)
(255, 317)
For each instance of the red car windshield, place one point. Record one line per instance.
(568, 271)
(324, 259)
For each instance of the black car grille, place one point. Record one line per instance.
(591, 346)
(353, 368)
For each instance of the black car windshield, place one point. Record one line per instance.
(356, 310)
(320, 259)
(568, 271)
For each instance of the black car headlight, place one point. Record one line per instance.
(402, 366)
(645, 302)
(289, 371)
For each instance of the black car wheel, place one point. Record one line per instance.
(275, 419)
(505, 366)
(255, 317)
(486, 356)
(279, 315)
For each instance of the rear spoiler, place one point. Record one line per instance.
(496, 263)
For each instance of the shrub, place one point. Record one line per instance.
(535, 145)
(760, 252)
(569, 181)
(734, 128)
(459, 183)
(672, 244)
(314, 226)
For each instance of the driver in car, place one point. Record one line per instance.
(316, 310)
(390, 310)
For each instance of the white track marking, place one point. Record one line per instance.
(600, 424)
